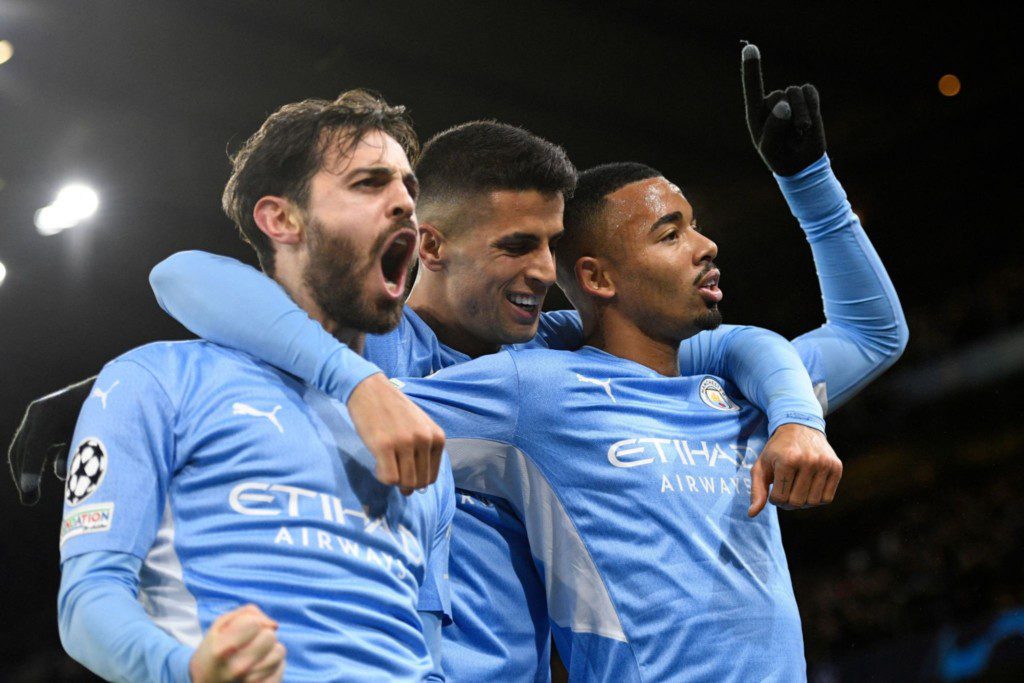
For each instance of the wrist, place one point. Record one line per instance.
(814, 194)
(789, 420)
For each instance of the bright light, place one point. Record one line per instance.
(74, 204)
(78, 200)
(3, 272)
(6, 51)
(949, 85)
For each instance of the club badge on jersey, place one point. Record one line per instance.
(712, 393)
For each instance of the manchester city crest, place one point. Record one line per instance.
(712, 393)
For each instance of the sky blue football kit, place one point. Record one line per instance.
(201, 480)
(498, 603)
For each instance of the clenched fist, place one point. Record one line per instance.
(240, 646)
(801, 468)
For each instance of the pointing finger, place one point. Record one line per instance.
(753, 87)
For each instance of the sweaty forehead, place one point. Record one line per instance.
(642, 203)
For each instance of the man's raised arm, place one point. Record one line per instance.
(865, 330)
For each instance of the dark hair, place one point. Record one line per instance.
(582, 219)
(483, 156)
(290, 146)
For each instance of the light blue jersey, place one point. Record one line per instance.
(634, 490)
(500, 629)
(233, 482)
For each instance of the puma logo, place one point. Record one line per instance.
(102, 395)
(605, 384)
(246, 409)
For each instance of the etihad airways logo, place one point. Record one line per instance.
(702, 467)
(260, 499)
(644, 451)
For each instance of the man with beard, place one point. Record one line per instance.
(203, 479)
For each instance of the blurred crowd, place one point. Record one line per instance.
(950, 555)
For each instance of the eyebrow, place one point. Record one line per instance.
(674, 217)
(525, 237)
(516, 237)
(383, 170)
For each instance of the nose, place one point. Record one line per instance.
(542, 268)
(706, 250)
(401, 203)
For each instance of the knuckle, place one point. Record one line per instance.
(237, 669)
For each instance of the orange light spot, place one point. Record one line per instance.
(949, 85)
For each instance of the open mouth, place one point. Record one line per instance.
(708, 286)
(395, 260)
(528, 303)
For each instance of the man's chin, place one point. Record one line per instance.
(383, 320)
(518, 334)
(709, 319)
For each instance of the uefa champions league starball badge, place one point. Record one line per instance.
(86, 470)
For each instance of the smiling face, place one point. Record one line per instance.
(665, 278)
(361, 233)
(500, 268)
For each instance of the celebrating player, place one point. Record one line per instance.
(203, 480)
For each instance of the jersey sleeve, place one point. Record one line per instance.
(865, 330)
(235, 305)
(765, 367)
(478, 399)
(120, 464)
(104, 627)
(435, 593)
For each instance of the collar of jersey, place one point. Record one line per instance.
(624, 362)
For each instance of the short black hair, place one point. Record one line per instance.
(584, 234)
(483, 156)
(290, 147)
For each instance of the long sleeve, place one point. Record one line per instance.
(235, 305)
(103, 626)
(865, 330)
(765, 367)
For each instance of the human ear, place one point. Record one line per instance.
(279, 219)
(595, 277)
(433, 247)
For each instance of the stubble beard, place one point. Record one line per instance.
(709, 319)
(338, 286)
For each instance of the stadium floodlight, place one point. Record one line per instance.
(3, 272)
(74, 203)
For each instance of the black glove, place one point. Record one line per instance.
(785, 126)
(45, 432)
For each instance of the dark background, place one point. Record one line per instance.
(921, 552)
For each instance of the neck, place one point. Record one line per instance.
(429, 299)
(301, 295)
(618, 335)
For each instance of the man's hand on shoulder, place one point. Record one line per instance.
(801, 468)
(45, 432)
(406, 443)
(241, 645)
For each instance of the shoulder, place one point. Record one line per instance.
(180, 367)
